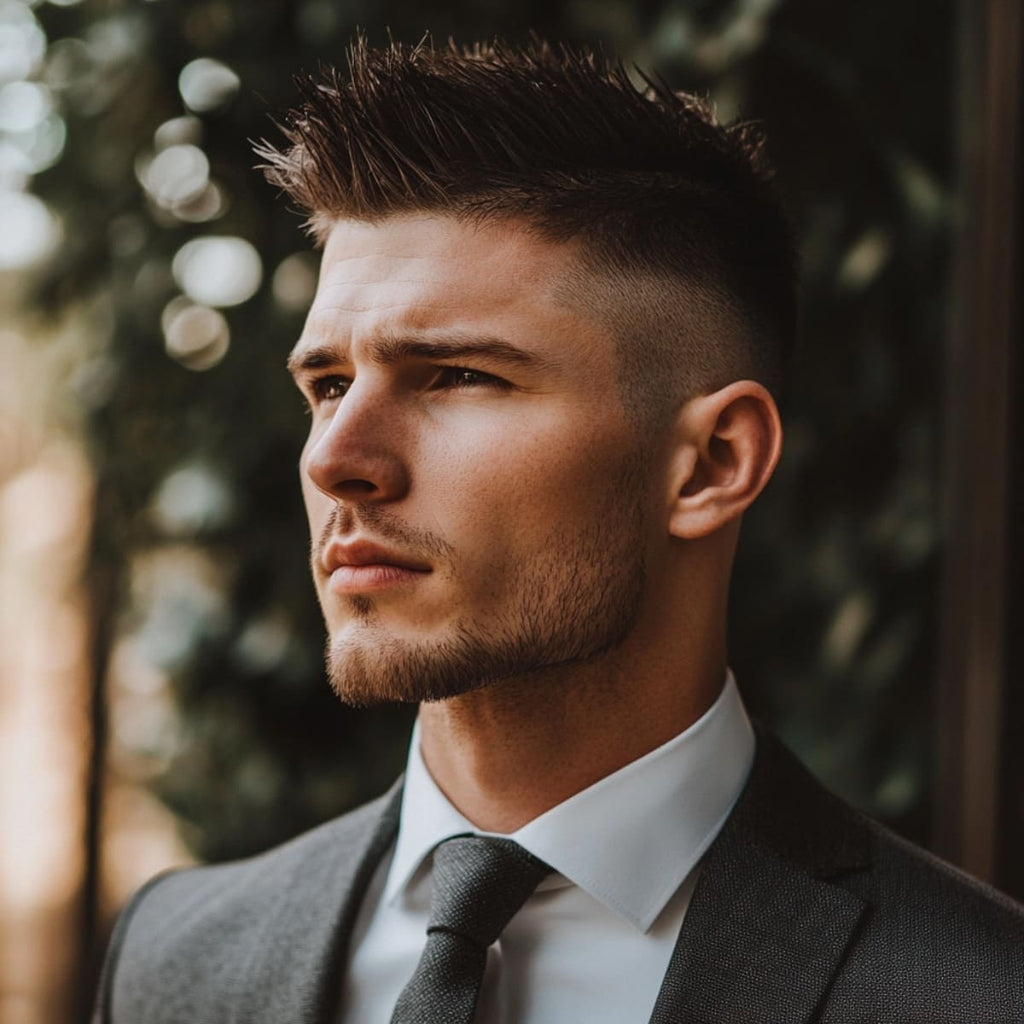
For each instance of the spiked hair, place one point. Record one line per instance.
(648, 183)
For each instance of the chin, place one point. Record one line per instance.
(396, 672)
(370, 670)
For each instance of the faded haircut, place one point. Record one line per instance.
(684, 251)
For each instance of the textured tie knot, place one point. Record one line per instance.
(479, 884)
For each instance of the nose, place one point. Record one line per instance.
(356, 455)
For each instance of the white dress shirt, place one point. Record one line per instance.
(592, 944)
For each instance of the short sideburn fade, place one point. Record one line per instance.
(649, 184)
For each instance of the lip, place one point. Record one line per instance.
(358, 566)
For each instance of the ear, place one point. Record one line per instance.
(727, 446)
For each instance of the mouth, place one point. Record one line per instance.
(361, 566)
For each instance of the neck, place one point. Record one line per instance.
(509, 751)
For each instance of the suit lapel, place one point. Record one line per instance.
(767, 927)
(298, 971)
(766, 930)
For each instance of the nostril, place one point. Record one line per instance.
(359, 486)
(355, 472)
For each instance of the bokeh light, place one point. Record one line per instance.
(192, 498)
(175, 175)
(32, 134)
(183, 130)
(208, 205)
(218, 270)
(68, 64)
(294, 282)
(30, 230)
(196, 336)
(180, 592)
(206, 84)
(22, 41)
(23, 105)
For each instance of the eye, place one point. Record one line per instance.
(463, 377)
(328, 389)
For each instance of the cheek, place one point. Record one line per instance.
(511, 485)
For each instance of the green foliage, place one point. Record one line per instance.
(833, 611)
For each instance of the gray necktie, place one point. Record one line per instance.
(479, 884)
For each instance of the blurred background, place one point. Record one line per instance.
(161, 691)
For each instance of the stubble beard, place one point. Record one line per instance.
(571, 603)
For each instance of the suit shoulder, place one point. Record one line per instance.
(818, 829)
(931, 943)
(940, 896)
(214, 888)
(935, 944)
(227, 928)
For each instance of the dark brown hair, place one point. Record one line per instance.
(648, 182)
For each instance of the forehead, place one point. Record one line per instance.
(417, 274)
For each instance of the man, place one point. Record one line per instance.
(552, 319)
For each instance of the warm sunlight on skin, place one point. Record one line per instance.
(491, 533)
(475, 410)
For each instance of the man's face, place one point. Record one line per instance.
(476, 494)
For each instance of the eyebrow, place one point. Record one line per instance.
(389, 350)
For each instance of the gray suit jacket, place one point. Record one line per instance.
(804, 911)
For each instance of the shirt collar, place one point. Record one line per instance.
(630, 839)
